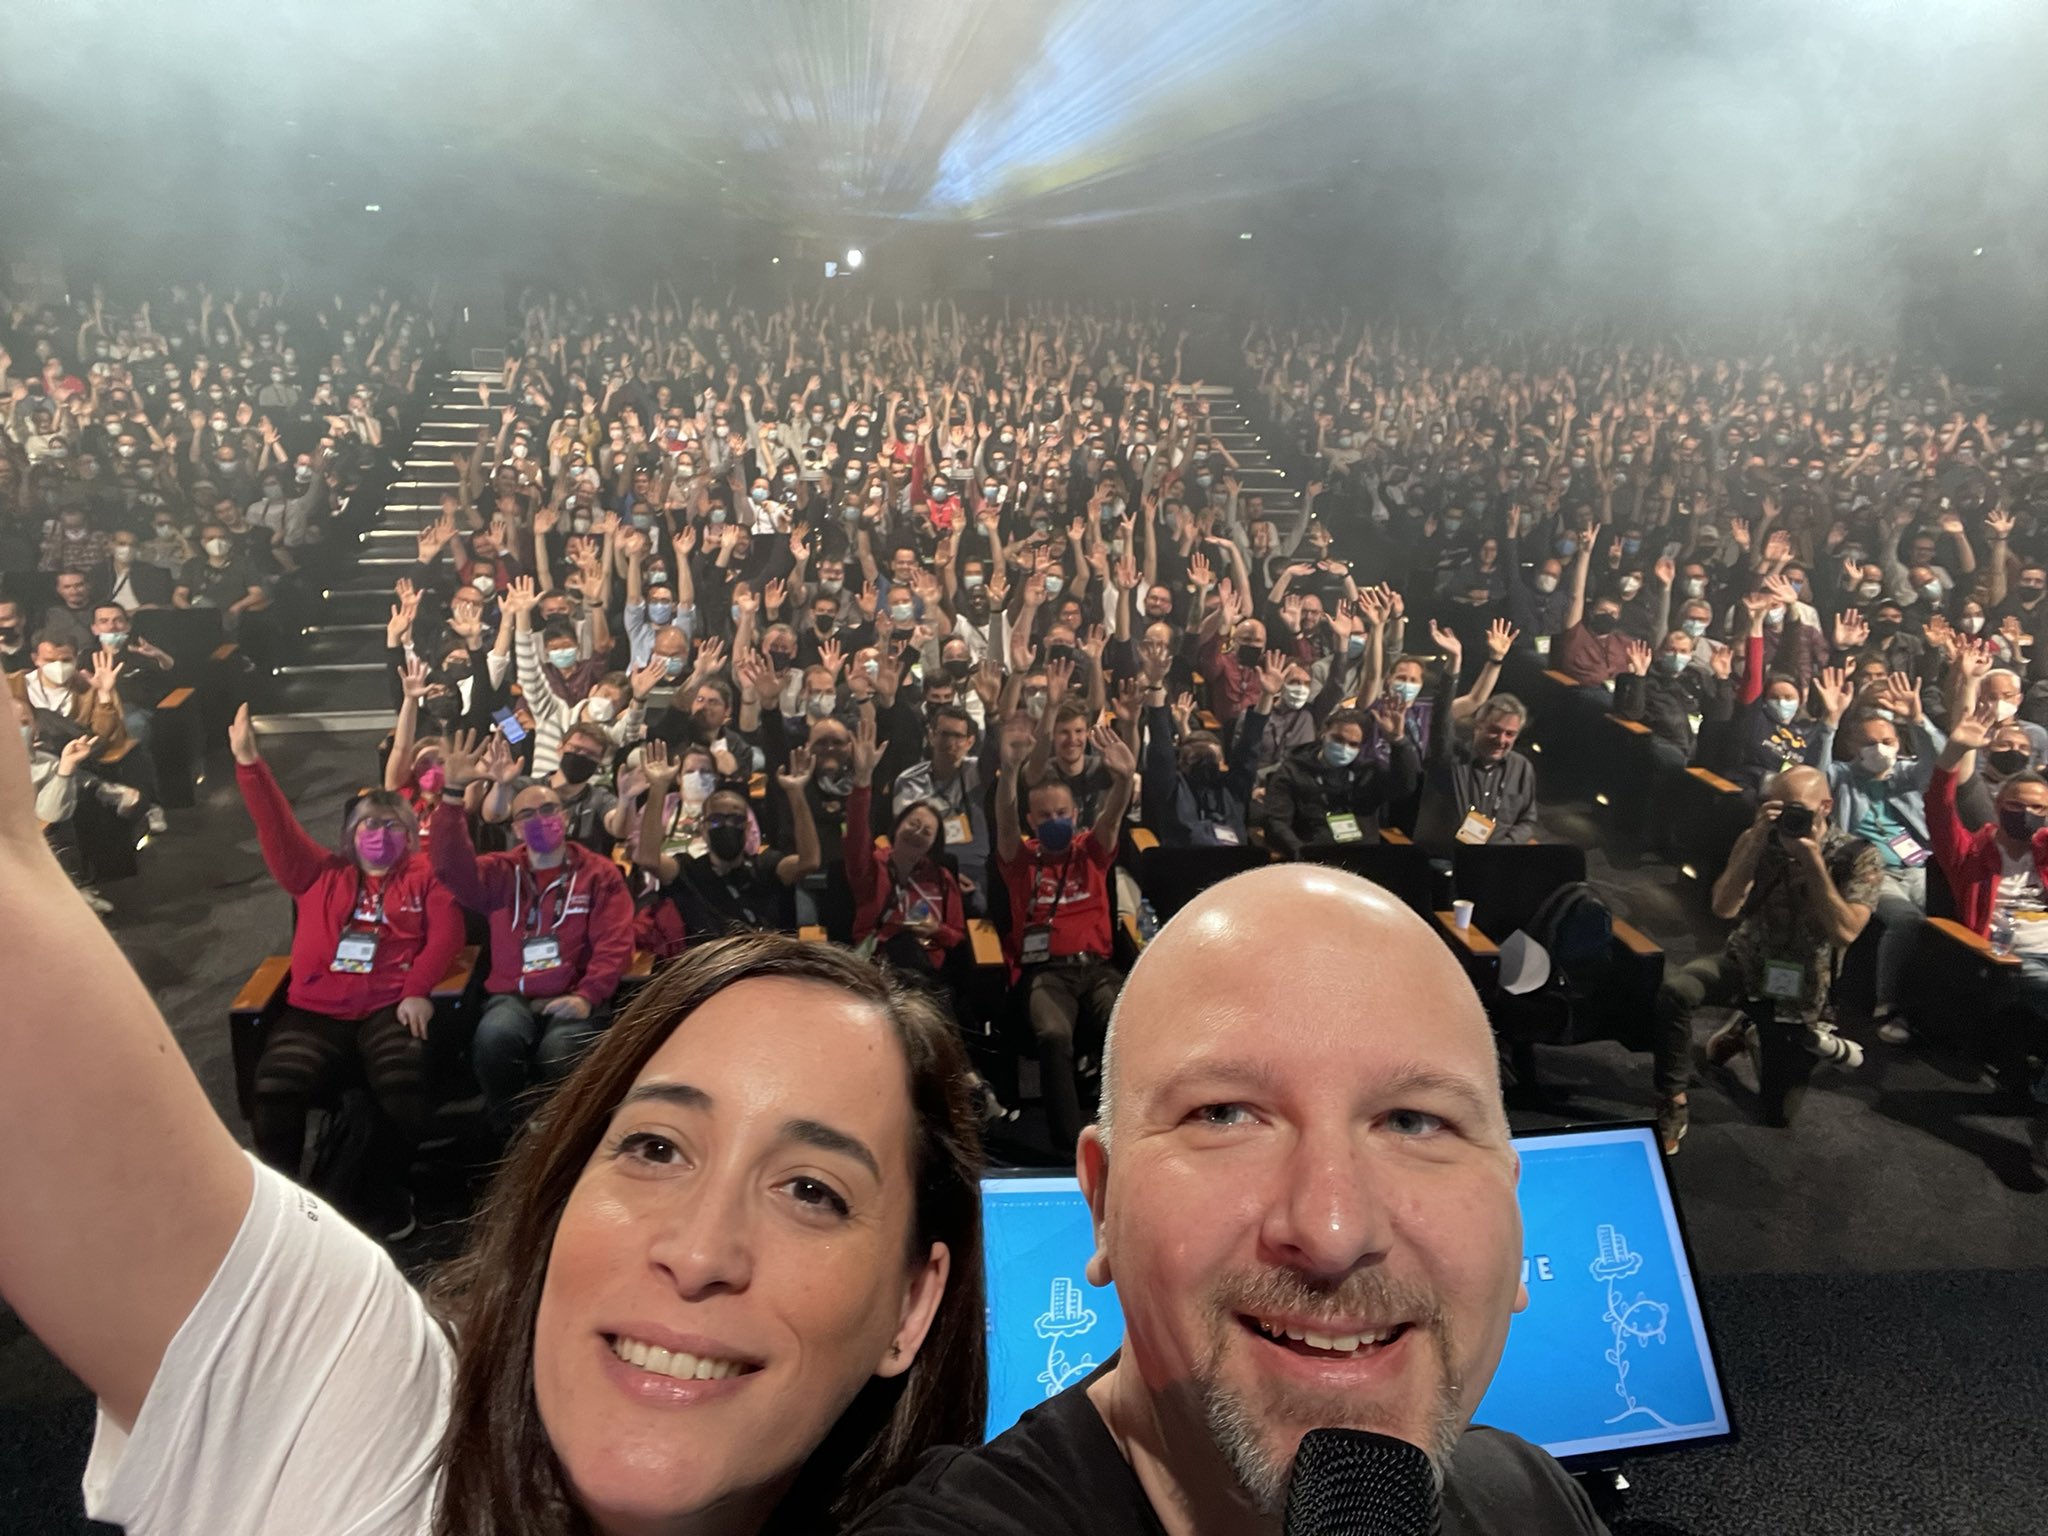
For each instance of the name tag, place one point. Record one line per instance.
(1784, 980)
(959, 828)
(1543, 645)
(1908, 848)
(1037, 944)
(1344, 827)
(1694, 722)
(356, 953)
(542, 954)
(1476, 828)
(1226, 836)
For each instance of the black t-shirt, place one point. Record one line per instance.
(1057, 1470)
(747, 898)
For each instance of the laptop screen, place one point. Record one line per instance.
(1611, 1356)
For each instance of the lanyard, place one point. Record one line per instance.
(533, 923)
(1031, 915)
(355, 911)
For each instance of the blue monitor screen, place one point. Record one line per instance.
(1610, 1356)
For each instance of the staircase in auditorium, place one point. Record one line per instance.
(339, 680)
(1259, 469)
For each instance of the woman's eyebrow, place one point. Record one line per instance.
(826, 1138)
(681, 1095)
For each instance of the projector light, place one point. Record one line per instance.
(854, 258)
(1602, 800)
(1688, 871)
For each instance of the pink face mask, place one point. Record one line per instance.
(544, 834)
(379, 846)
(432, 778)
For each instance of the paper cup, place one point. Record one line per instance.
(1461, 913)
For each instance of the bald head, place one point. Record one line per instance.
(1298, 942)
(1801, 785)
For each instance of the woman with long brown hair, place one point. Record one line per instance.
(728, 1281)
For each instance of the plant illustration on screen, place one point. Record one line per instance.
(1641, 1321)
(1066, 1316)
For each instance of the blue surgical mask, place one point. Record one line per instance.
(1056, 834)
(672, 666)
(1693, 627)
(1566, 548)
(1407, 693)
(1355, 645)
(1781, 710)
(562, 656)
(1054, 585)
(660, 613)
(1339, 754)
(1675, 661)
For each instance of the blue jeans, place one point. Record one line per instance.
(518, 1048)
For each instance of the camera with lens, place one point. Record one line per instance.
(1796, 820)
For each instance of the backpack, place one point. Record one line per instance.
(1576, 929)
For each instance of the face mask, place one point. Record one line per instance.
(2007, 762)
(379, 847)
(831, 586)
(1566, 548)
(1776, 615)
(1250, 655)
(1631, 585)
(1870, 591)
(727, 839)
(1675, 662)
(1974, 624)
(58, 674)
(1355, 645)
(820, 705)
(1601, 623)
(902, 613)
(1295, 694)
(1931, 590)
(217, 547)
(562, 657)
(1407, 692)
(1339, 754)
(1034, 702)
(600, 710)
(2019, 823)
(1054, 585)
(1546, 584)
(1056, 834)
(1695, 586)
(660, 613)
(485, 585)
(972, 580)
(578, 767)
(1781, 710)
(1883, 629)
(1877, 758)
(432, 779)
(698, 784)
(545, 833)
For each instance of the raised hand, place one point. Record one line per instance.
(106, 675)
(1832, 689)
(1999, 524)
(520, 596)
(1273, 674)
(1639, 658)
(412, 679)
(832, 657)
(1500, 639)
(796, 773)
(1851, 630)
(1970, 734)
(1183, 712)
(73, 754)
(1903, 695)
(242, 738)
(1722, 661)
(867, 751)
(1447, 641)
(463, 758)
(499, 765)
(1116, 752)
(645, 680)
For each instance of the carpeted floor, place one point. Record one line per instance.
(1874, 1273)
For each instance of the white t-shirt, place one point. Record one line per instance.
(306, 1393)
(2022, 903)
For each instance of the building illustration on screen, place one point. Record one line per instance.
(1066, 1316)
(1640, 1322)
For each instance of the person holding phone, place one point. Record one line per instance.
(1799, 892)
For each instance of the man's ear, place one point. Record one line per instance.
(1091, 1166)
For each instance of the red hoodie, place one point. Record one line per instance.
(1971, 862)
(872, 876)
(420, 931)
(584, 907)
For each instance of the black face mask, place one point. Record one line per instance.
(727, 839)
(1059, 653)
(2007, 762)
(1204, 772)
(1601, 623)
(1251, 655)
(825, 623)
(455, 668)
(578, 767)
(10, 636)
(959, 668)
(1883, 629)
(2029, 596)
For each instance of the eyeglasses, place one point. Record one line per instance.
(382, 824)
(521, 818)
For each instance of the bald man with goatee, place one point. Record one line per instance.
(1303, 1191)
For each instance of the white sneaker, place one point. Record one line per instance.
(155, 818)
(1895, 1032)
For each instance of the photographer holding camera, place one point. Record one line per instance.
(1799, 892)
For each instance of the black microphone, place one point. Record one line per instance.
(1351, 1482)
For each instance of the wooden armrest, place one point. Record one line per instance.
(1144, 839)
(456, 982)
(1470, 939)
(177, 698)
(224, 652)
(642, 965)
(987, 943)
(757, 787)
(1207, 721)
(1396, 837)
(1713, 781)
(1635, 940)
(811, 933)
(1971, 940)
(263, 985)
(1562, 679)
(1633, 727)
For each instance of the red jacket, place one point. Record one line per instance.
(1970, 861)
(1067, 891)
(417, 941)
(585, 907)
(873, 879)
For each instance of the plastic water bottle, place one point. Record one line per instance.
(2001, 933)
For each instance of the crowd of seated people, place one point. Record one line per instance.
(919, 635)
(168, 471)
